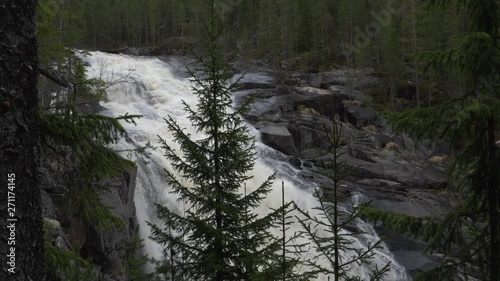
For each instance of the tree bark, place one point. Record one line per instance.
(493, 189)
(21, 238)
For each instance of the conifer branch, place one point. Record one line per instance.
(58, 80)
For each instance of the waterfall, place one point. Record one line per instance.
(153, 88)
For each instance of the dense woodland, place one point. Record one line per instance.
(438, 58)
(287, 34)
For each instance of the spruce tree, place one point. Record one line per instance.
(470, 234)
(217, 238)
(136, 260)
(326, 231)
(291, 264)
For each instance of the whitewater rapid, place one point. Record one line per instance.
(153, 88)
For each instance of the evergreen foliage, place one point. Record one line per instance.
(462, 70)
(65, 264)
(75, 153)
(136, 260)
(296, 34)
(68, 135)
(470, 234)
(326, 230)
(291, 265)
(87, 137)
(314, 35)
(219, 237)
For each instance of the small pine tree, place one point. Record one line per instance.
(136, 260)
(326, 231)
(289, 264)
(218, 238)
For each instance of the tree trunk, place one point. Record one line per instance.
(21, 241)
(493, 202)
(416, 78)
(336, 240)
(283, 229)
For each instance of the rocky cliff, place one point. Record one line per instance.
(68, 231)
(394, 172)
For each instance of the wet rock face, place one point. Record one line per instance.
(278, 137)
(106, 248)
(392, 171)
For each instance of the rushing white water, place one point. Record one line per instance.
(151, 88)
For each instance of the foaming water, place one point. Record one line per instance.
(151, 89)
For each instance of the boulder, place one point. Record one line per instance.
(277, 137)
(366, 82)
(326, 105)
(305, 137)
(360, 116)
(251, 81)
(295, 162)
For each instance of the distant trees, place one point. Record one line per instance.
(471, 234)
(315, 35)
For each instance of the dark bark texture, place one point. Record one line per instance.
(21, 221)
(493, 203)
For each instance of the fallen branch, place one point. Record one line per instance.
(59, 81)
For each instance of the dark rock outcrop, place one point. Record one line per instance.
(277, 136)
(391, 170)
(105, 247)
